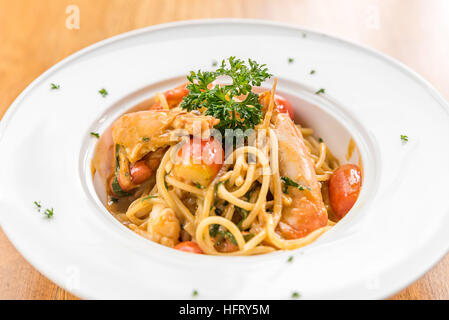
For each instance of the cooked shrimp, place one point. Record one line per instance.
(163, 225)
(145, 131)
(306, 212)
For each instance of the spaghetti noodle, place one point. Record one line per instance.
(257, 202)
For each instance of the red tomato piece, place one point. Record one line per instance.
(140, 172)
(189, 246)
(344, 189)
(175, 96)
(200, 161)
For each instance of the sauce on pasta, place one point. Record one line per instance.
(280, 191)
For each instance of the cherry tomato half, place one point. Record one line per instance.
(175, 96)
(189, 246)
(200, 161)
(140, 172)
(344, 189)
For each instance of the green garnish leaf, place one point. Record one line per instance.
(219, 101)
(243, 214)
(230, 236)
(290, 259)
(145, 139)
(117, 189)
(248, 236)
(322, 90)
(103, 92)
(296, 295)
(194, 293)
(320, 140)
(404, 138)
(148, 198)
(94, 134)
(215, 230)
(54, 86)
(291, 60)
(49, 213)
(198, 185)
(312, 71)
(290, 183)
(38, 205)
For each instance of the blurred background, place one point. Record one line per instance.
(34, 35)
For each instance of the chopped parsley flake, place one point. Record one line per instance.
(404, 138)
(290, 183)
(290, 259)
(38, 205)
(248, 236)
(291, 60)
(216, 230)
(320, 140)
(148, 198)
(94, 134)
(49, 213)
(145, 139)
(312, 71)
(54, 86)
(322, 90)
(103, 92)
(198, 185)
(214, 63)
(295, 295)
(194, 293)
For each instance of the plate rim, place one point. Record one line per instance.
(410, 73)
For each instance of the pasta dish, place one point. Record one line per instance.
(218, 166)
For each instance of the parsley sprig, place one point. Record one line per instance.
(219, 101)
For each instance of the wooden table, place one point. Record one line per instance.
(34, 36)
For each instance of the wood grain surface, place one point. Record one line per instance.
(34, 36)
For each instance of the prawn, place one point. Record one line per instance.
(306, 212)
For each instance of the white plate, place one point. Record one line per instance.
(396, 231)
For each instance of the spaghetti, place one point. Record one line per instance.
(257, 202)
